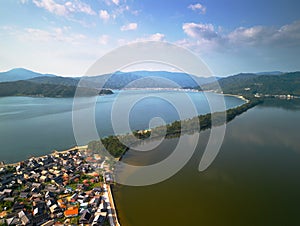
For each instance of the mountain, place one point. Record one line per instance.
(22, 82)
(148, 79)
(20, 74)
(247, 84)
(27, 88)
(57, 80)
(266, 84)
(270, 73)
(136, 79)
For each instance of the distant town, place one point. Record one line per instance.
(63, 188)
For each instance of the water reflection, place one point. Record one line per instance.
(253, 181)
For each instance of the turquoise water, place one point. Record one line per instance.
(32, 126)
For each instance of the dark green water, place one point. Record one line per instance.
(254, 180)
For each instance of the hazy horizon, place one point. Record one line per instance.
(67, 37)
(125, 71)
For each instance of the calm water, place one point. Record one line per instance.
(253, 181)
(35, 126)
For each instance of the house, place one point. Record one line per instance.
(3, 214)
(103, 206)
(43, 179)
(2, 197)
(71, 212)
(99, 218)
(85, 217)
(40, 219)
(49, 194)
(84, 205)
(94, 201)
(23, 218)
(9, 199)
(12, 221)
(8, 192)
(61, 204)
(57, 180)
(54, 208)
(24, 195)
(18, 206)
(50, 202)
(37, 186)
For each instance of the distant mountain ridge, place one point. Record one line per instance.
(148, 79)
(270, 73)
(118, 80)
(20, 74)
(247, 84)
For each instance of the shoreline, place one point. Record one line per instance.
(170, 135)
(237, 96)
(112, 210)
(229, 94)
(45, 155)
(112, 201)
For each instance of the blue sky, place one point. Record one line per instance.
(66, 37)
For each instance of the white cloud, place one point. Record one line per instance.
(51, 6)
(66, 8)
(203, 31)
(120, 10)
(104, 15)
(77, 6)
(207, 38)
(116, 2)
(129, 27)
(198, 7)
(157, 37)
(103, 40)
(286, 35)
(56, 35)
(152, 37)
(250, 36)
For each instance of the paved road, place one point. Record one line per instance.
(112, 214)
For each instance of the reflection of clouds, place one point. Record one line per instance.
(268, 128)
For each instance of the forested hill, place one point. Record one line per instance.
(27, 88)
(250, 84)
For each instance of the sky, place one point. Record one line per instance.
(66, 37)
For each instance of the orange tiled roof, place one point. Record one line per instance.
(72, 211)
(61, 203)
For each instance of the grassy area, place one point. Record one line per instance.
(86, 177)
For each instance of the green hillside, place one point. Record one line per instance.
(250, 84)
(27, 88)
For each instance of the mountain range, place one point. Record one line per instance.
(248, 84)
(25, 82)
(118, 80)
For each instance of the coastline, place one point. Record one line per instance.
(237, 96)
(45, 155)
(112, 211)
(229, 94)
(54, 152)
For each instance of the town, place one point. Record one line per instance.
(72, 187)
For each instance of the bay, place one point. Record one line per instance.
(34, 126)
(254, 180)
